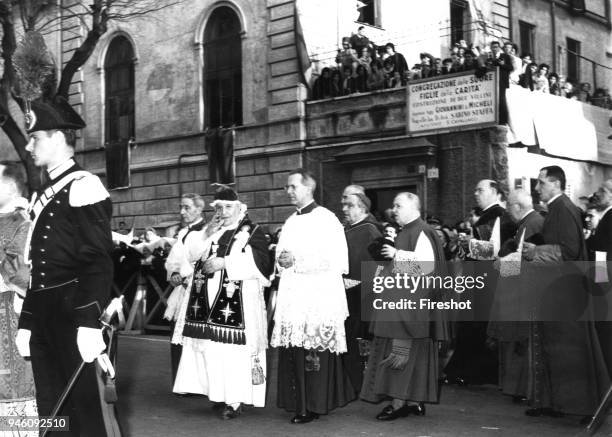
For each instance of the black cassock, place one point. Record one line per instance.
(509, 316)
(362, 266)
(568, 371)
(473, 361)
(601, 241)
(418, 381)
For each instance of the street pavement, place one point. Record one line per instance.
(147, 408)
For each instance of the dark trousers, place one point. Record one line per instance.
(55, 357)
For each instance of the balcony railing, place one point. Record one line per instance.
(561, 127)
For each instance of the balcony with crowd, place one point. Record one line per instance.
(364, 66)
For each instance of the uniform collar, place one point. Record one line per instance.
(56, 171)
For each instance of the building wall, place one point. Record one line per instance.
(413, 27)
(169, 113)
(583, 178)
(167, 73)
(592, 32)
(281, 131)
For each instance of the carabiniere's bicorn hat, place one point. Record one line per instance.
(50, 115)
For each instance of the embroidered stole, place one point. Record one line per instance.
(221, 321)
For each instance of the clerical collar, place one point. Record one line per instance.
(59, 169)
(412, 221)
(553, 199)
(358, 221)
(606, 210)
(527, 213)
(194, 224)
(306, 209)
(490, 206)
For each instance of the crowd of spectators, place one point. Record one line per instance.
(450, 234)
(363, 66)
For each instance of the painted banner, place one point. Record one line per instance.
(453, 102)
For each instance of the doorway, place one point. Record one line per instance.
(382, 199)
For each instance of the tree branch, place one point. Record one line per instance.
(84, 51)
(9, 44)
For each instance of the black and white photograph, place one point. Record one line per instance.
(305, 217)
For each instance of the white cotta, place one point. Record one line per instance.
(311, 303)
(182, 259)
(221, 371)
(240, 266)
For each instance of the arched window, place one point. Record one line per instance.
(119, 110)
(222, 69)
(119, 76)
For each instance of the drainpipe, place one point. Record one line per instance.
(553, 34)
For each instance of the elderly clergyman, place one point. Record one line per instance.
(403, 363)
(225, 333)
(509, 325)
(179, 268)
(311, 307)
(361, 232)
(473, 361)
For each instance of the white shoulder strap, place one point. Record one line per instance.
(45, 197)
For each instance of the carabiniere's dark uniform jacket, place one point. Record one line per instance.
(72, 241)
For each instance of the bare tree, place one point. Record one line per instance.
(43, 16)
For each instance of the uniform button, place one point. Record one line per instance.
(42, 273)
(51, 214)
(47, 227)
(43, 262)
(42, 285)
(42, 250)
(57, 201)
(45, 237)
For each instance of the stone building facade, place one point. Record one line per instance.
(163, 112)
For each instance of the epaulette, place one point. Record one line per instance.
(87, 190)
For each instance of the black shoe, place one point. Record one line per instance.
(304, 418)
(218, 406)
(518, 399)
(229, 413)
(458, 380)
(388, 413)
(417, 410)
